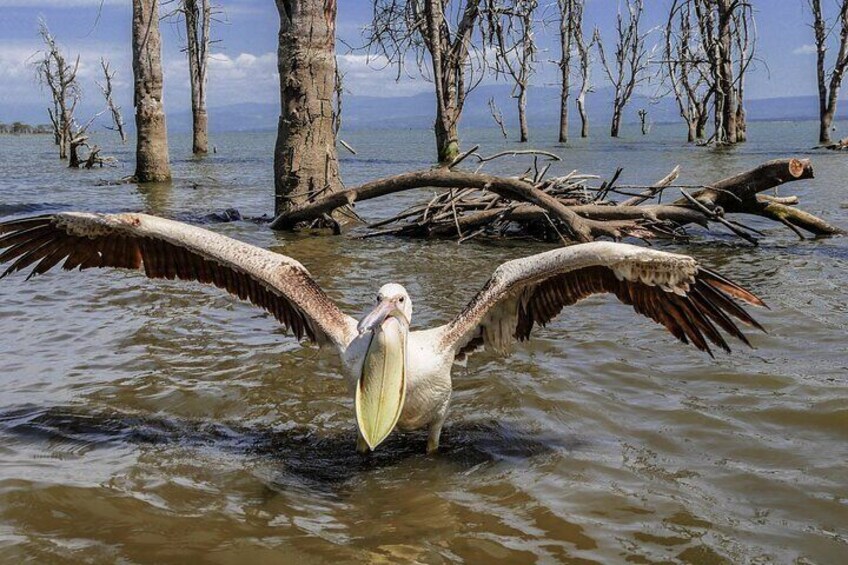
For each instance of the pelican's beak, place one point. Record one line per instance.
(381, 390)
(373, 320)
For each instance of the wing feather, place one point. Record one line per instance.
(690, 301)
(173, 250)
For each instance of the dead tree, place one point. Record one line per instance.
(438, 35)
(585, 61)
(497, 116)
(830, 83)
(152, 160)
(724, 27)
(60, 77)
(631, 60)
(197, 15)
(744, 41)
(569, 12)
(643, 120)
(509, 30)
(685, 68)
(79, 139)
(306, 164)
(114, 109)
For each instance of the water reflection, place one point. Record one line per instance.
(305, 457)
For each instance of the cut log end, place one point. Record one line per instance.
(797, 167)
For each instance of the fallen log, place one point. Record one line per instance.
(578, 229)
(737, 193)
(568, 209)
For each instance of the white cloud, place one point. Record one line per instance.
(806, 49)
(233, 79)
(373, 76)
(20, 87)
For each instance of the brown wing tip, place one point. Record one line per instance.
(729, 287)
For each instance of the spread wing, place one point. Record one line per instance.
(169, 249)
(674, 290)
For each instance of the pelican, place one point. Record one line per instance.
(398, 378)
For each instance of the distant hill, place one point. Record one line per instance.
(364, 112)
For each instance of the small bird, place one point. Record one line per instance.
(397, 377)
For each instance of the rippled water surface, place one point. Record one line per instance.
(157, 421)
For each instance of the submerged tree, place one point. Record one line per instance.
(60, 77)
(152, 161)
(630, 62)
(829, 83)
(197, 15)
(509, 31)
(567, 13)
(305, 159)
(114, 109)
(724, 27)
(685, 68)
(441, 31)
(584, 58)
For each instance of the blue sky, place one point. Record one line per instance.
(243, 66)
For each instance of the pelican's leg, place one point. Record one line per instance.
(436, 431)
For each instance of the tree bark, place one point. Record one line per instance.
(615, 125)
(566, 40)
(305, 159)
(447, 138)
(738, 193)
(198, 20)
(200, 131)
(152, 162)
(524, 131)
(725, 68)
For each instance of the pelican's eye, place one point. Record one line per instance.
(379, 299)
(401, 299)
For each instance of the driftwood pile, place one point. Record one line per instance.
(572, 208)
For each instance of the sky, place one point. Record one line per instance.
(243, 64)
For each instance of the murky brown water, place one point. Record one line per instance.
(150, 421)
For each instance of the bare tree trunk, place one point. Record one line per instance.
(643, 120)
(584, 116)
(615, 125)
(198, 19)
(152, 162)
(524, 134)
(825, 120)
(305, 159)
(585, 67)
(631, 60)
(725, 68)
(829, 87)
(566, 41)
(114, 109)
(447, 135)
(74, 160)
(702, 121)
(497, 116)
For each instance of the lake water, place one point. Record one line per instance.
(157, 421)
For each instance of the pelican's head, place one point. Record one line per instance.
(381, 389)
(392, 301)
